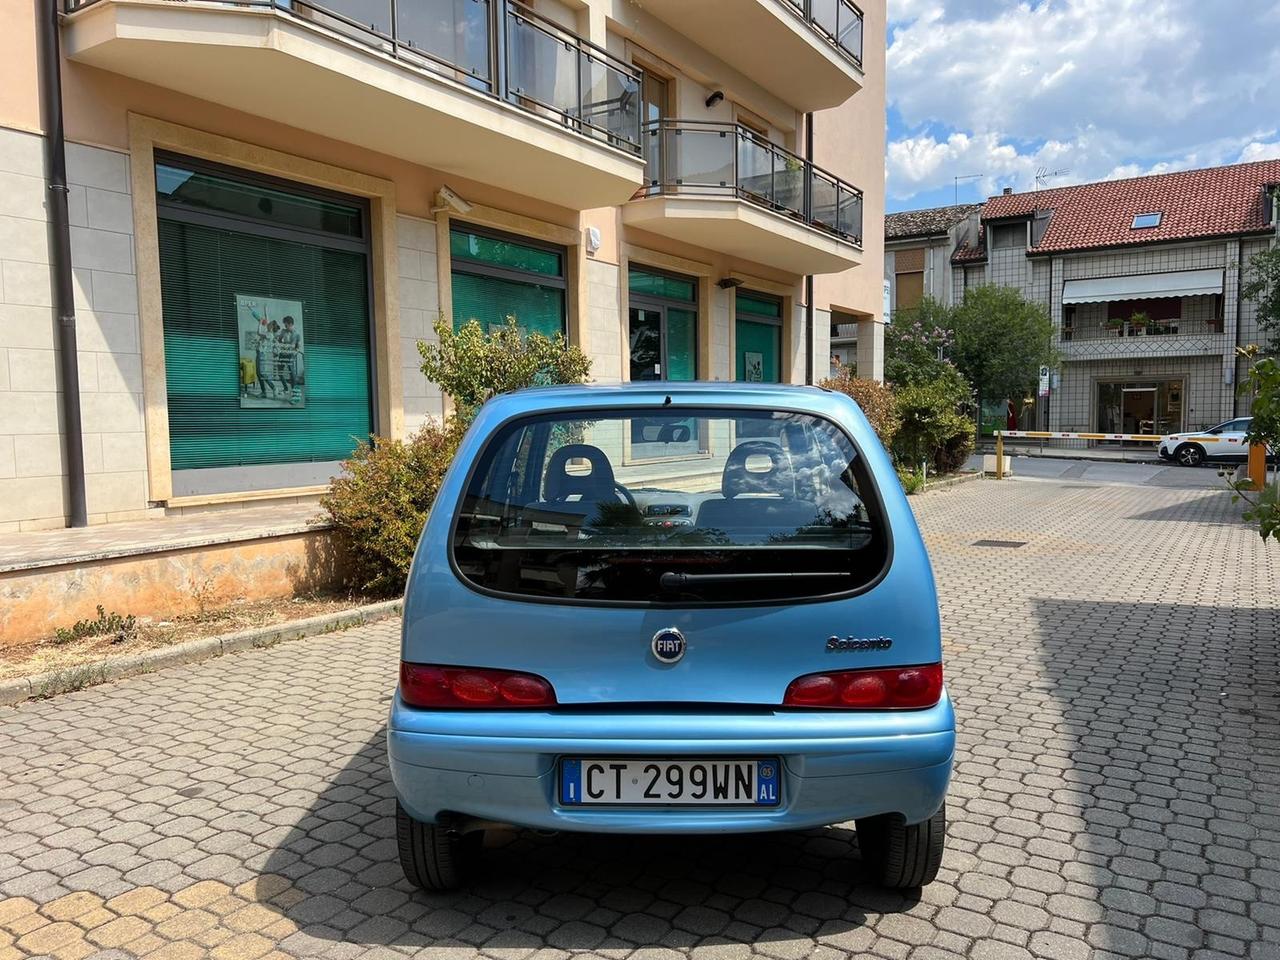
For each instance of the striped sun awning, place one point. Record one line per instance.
(1182, 283)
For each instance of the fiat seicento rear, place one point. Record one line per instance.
(671, 608)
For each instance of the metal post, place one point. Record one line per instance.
(999, 455)
(1257, 466)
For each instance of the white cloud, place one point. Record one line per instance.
(1103, 88)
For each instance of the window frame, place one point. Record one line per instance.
(660, 303)
(480, 268)
(871, 496)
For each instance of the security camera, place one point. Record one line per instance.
(446, 199)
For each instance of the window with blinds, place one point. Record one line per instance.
(213, 258)
(496, 276)
(758, 338)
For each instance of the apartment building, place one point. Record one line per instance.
(1141, 278)
(270, 203)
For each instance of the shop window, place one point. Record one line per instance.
(662, 329)
(496, 276)
(758, 338)
(265, 300)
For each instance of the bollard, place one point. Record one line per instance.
(999, 455)
(1257, 466)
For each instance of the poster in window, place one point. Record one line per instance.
(272, 371)
(754, 364)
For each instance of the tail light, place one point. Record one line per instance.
(425, 685)
(895, 688)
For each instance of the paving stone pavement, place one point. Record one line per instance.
(1117, 788)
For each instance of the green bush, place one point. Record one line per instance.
(934, 427)
(876, 400)
(471, 366)
(912, 480)
(380, 502)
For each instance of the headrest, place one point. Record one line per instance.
(560, 484)
(747, 472)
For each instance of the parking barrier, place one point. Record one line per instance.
(1058, 435)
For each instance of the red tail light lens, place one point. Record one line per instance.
(425, 685)
(897, 688)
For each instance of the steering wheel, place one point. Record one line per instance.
(625, 495)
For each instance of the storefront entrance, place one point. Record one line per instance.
(662, 327)
(1146, 407)
(266, 303)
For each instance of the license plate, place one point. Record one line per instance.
(584, 782)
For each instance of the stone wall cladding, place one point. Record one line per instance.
(419, 308)
(110, 363)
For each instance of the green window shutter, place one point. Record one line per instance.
(498, 252)
(764, 339)
(202, 271)
(490, 300)
(758, 306)
(660, 285)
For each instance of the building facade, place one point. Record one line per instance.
(1141, 277)
(271, 204)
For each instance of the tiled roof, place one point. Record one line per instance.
(975, 253)
(925, 223)
(1217, 201)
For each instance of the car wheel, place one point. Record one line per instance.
(432, 856)
(901, 855)
(1189, 455)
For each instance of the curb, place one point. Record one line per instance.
(43, 685)
(952, 481)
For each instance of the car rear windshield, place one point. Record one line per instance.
(674, 506)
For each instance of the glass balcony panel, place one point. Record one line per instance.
(756, 168)
(610, 102)
(541, 67)
(788, 178)
(450, 32)
(825, 201)
(366, 21)
(849, 214)
(825, 15)
(702, 158)
(849, 31)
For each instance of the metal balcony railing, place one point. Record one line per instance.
(838, 21)
(497, 47)
(703, 158)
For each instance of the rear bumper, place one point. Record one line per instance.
(503, 765)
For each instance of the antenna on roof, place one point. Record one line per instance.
(1044, 175)
(968, 176)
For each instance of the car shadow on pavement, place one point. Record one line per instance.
(1145, 765)
(575, 892)
(1206, 509)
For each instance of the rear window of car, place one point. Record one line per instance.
(672, 506)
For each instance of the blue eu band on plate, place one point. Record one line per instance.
(640, 782)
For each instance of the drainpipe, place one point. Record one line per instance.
(808, 280)
(60, 249)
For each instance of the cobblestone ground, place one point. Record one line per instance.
(1117, 789)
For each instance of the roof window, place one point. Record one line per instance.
(1145, 221)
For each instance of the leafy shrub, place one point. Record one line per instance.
(471, 366)
(875, 398)
(911, 480)
(934, 429)
(119, 628)
(380, 502)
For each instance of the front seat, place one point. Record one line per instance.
(570, 499)
(757, 501)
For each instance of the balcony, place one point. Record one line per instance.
(1170, 338)
(720, 186)
(807, 52)
(484, 89)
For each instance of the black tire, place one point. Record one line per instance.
(1189, 455)
(433, 857)
(901, 856)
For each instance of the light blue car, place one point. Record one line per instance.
(671, 608)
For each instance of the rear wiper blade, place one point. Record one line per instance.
(673, 581)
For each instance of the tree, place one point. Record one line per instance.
(917, 344)
(874, 398)
(1000, 342)
(1261, 286)
(471, 366)
(1263, 506)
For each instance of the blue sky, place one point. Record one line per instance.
(1081, 89)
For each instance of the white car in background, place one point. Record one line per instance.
(1223, 442)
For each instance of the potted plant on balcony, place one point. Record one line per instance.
(1138, 322)
(1115, 324)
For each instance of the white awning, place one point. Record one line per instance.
(1184, 283)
